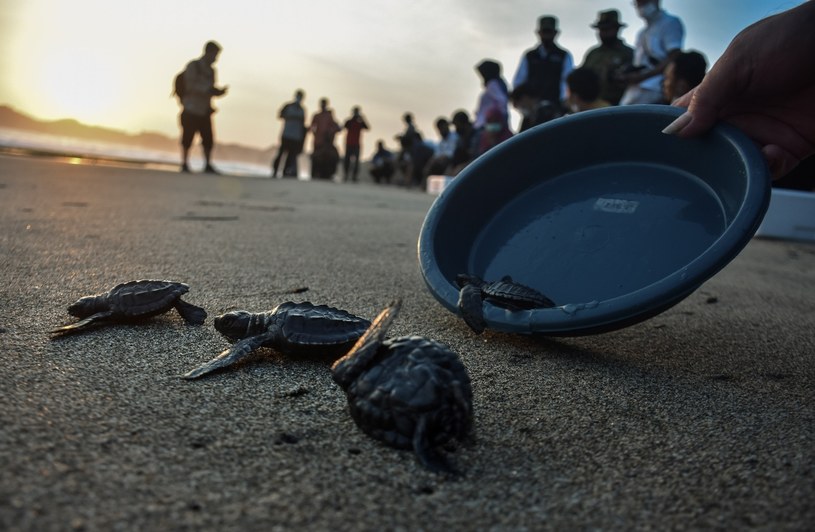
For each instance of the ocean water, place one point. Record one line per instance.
(26, 142)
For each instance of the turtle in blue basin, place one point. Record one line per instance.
(408, 392)
(132, 302)
(504, 293)
(290, 328)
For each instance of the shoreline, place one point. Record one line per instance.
(225, 166)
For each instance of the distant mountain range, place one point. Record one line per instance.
(10, 118)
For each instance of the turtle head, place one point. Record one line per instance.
(464, 279)
(88, 306)
(235, 324)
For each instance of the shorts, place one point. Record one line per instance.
(192, 124)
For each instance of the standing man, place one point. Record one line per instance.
(196, 98)
(324, 128)
(658, 43)
(544, 68)
(353, 131)
(293, 136)
(610, 56)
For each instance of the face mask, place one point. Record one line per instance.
(647, 11)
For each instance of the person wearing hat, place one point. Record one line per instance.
(658, 43)
(610, 56)
(543, 69)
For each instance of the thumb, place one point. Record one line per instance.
(706, 101)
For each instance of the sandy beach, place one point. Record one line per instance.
(701, 417)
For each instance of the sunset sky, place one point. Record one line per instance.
(112, 63)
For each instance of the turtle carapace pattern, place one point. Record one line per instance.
(132, 301)
(408, 392)
(504, 293)
(291, 328)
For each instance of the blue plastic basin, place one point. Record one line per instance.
(601, 212)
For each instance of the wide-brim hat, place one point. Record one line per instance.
(608, 19)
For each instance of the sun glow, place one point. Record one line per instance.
(78, 84)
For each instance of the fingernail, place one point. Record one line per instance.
(679, 124)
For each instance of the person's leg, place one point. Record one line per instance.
(208, 142)
(355, 162)
(290, 168)
(294, 167)
(187, 135)
(276, 163)
(346, 162)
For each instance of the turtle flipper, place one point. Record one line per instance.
(81, 325)
(430, 458)
(192, 314)
(346, 369)
(470, 306)
(237, 352)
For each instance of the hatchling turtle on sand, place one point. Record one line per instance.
(130, 302)
(408, 392)
(291, 328)
(505, 293)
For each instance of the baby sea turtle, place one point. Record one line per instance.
(505, 293)
(409, 392)
(132, 301)
(291, 328)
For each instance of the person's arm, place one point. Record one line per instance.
(568, 66)
(763, 84)
(646, 73)
(521, 74)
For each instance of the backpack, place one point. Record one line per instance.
(179, 86)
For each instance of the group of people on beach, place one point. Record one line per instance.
(763, 84)
(547, 85)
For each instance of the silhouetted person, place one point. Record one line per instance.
(465, 147)
(196, 117)
(610, 56)
(411, 144)
(353, 133)
(545, 67)
(325, 156)
(442, 157)
(382, 165)
(684, 72)
(293, 136)
(583, 90)
(657, 44)
(492, 115)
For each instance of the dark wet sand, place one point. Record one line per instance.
(701, 417)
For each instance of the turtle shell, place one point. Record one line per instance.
(144, 298)
(510, 294)
(412, 378)
(308, 327)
